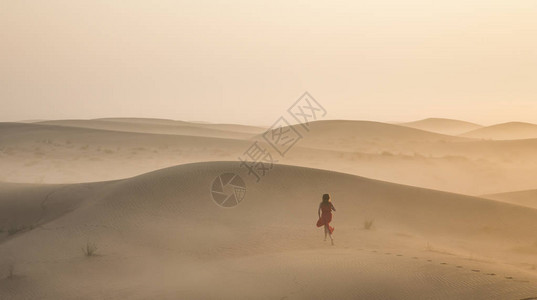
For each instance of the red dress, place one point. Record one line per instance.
(326, 216)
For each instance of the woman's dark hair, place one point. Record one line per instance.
(326, 198)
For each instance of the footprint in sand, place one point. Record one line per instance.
(476, 270)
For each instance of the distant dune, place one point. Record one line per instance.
(71, 152)
(68, 136)
(30, 121)
(160, 235)
(219, 126)
(505, 131)
(63, 154)
(525, 198)
(159, 126)
(443, 126)
(364, 135)
(377, 130)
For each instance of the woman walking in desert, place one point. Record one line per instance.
(326, 207)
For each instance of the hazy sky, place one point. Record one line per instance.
(247, 61)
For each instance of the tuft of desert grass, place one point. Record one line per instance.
(90, 249)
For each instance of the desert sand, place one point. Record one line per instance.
(140, 192)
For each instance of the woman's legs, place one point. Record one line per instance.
(327, 232)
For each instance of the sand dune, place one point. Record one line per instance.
(443, 126)
(505, 131)
(39, 153)
(365, 136)
(525, 198)
(28, 135)
(60, 154)
(220, 126)
(159, 127)
(425, 244)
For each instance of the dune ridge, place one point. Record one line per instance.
(443, 126)
(160, 127)
(505, 131)
(525, 198)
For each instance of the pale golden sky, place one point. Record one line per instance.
(247, 61)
